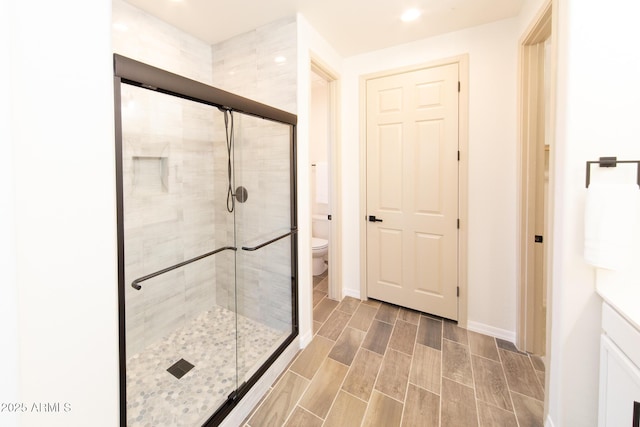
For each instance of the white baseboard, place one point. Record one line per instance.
(306, 339)
(471, 325)
(260, 388)
(492, 331)
(348, 292)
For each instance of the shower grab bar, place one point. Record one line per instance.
(262, 245)
(135, 283)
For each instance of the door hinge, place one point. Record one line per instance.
(458, 155)
(458, 86)
(458, 223)
(457, 291)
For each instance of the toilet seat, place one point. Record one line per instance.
(318, 243)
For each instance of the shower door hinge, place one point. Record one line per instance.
(458, 291)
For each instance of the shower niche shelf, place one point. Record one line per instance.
(150, 174)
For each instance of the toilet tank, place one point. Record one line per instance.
(320, 226)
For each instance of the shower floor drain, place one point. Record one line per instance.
(180, 368)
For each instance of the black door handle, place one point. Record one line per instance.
(372, 218)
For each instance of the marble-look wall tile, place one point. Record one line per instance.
(145, 38)
(175, 177)
(263, 285)
(246, 64)
(170, 222)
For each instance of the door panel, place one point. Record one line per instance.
(389, 161)
(412, 185)
(428, 196)
(390, 272)
(428, 262)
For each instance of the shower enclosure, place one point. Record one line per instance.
(207, 245)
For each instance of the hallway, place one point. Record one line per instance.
(375, 364)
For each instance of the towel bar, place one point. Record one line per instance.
(610, 162)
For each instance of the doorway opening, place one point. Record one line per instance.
(325, 178)
(536, 152)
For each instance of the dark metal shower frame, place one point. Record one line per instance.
(136, 73)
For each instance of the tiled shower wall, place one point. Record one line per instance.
(142, 37)
(261, 65)
(169, 211)
(244, 65)
(169, 167)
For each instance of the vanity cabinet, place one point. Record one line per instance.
(619, 400)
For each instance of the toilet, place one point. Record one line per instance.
(320, 248)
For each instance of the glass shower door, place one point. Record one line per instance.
(206, 245)
(179, 256)
(264, 224)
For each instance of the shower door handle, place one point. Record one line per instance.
(267, 243)
(372, 218)
(136, 283)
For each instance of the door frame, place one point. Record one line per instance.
(335, 177)
(463, 171)
(530, 74)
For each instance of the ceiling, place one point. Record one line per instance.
(350, 26)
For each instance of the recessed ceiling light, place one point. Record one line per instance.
(410, 15)
(280, 59)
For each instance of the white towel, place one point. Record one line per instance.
(612, 213)
(322, 182)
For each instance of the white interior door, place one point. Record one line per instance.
(412, 189)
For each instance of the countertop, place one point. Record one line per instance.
(623, 298)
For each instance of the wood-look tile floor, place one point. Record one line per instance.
(375, 364)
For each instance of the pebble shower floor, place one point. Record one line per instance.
(157, 398)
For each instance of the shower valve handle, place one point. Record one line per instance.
(372, 218)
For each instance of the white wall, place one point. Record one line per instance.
(8, 291)
(492, 166)
(528, 12)
(318, 146)
(65, 223)
(597, 115)
(319, 124)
